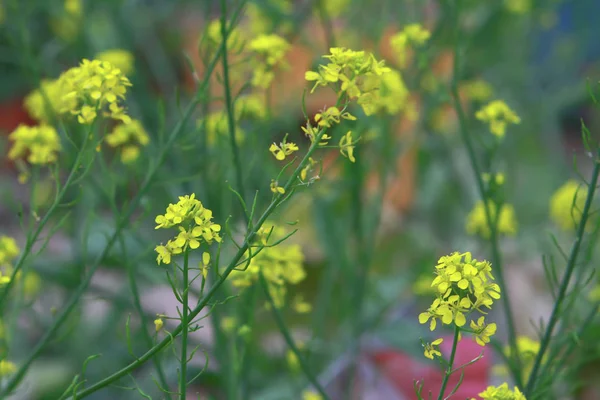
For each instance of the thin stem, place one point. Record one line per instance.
(566, 279)
(326, 24)
(229, 104)
(215, 287)
(496, 257)
(450, 363)
(289, 340)
(184, 326)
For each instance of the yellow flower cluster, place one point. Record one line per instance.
(463, 285)
(477, 90)
(268, 52)
(194, 223)
(94, 86)
(501, 392)
(283, 150)
(412, 35)
(432, 350)
(234, 38)
(355, 70)
(261, 22)
(565, 209)
(392, 96)
(40, 144)
(85, 90)
(281, 264)
(498, 115)
(121, 59)
(129, 137)
(528, 350)
(67, 25)
(477, 223)
(9, 250)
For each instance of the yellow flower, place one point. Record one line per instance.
(309, 167)
(347, 147)
(332, 115)
(129, 137)
(463, 285)
(204, 264)
(67, 26)
(268, 52)
(281, 264)
(284, 149)
(9, 250)
(216, 125)
(310, 395)
(194, 223)
(312, 132)
(7, 368)
(250, 106)
(431, 350)
(482, 331)
(275, 188)
(301, 306)
(477, 221)
(498, 115)
(518, 6)
(412, 35)
(41, 144)
(502, 392)
(158, 324)
(422, 286)
(261, 22)
(391, 96)
(234, 39)
(478, 90)
(528, 350)
(228, 324)
(565, 208)
(120, 58)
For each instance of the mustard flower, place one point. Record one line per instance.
(483, 331)
(275, 188)
(7, 368)
(251, 106)
(121, 59)
(496, 179)
(95, 86)
(9, 250)
(216, 126)
(268, 53)
(463, 285)
(391, 96)
(234, 39)
(228, 324)
(422, 286)
(261, 22)
(204, 264)
(412, 35)
(518, 6)
(158, 324)
(283, 150)
(194, 223)
(282, 264)
(351, 69)
(310, 395)
(312, 132)
(502, 392)
(309, 167)
(39, 143)
(332, 115)
(128, 137)
(566, 205)
(301, 306)
(347, 147)
(498, 115)
(478, 90)
(44, 103)
(477, 224)
(431, 350)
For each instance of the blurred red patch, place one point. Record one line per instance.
(402, 370)
(12, 113)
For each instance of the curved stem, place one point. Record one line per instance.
(184, 327)
(450, 363)
(496, 257)
(289, 340)
(229, 104)
(566, 279)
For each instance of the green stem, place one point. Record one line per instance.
(289, 340)
(566, 279)
(229, 103)
(450, 363)
(326, 24)
(496, 257)
(184, 326)
(221, 279)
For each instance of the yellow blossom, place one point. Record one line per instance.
(301, 306)
(283, 149)
(309, 167)
(565, 208)
(275, 188)
(347, 147)
(528, 350)
(391, 96)
(67, 26)
(412, 35)
(158, 324)
(39, 143)
(431, 350)
(268, 53)
(478, 90)
(332, 115)
(502, 392)
(204, 264)
(483, 331)
(228, 324)
(7, 368)
(120, 58)
(498, 115)
(128, 137)
(9, 250)
(477, 223)
(261, 22)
